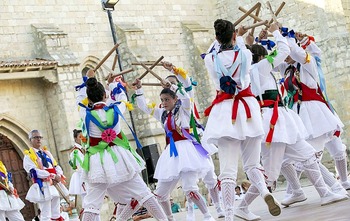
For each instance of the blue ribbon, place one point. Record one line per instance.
(78, 87)
(117, 90)
(323, 82)
(286, 33)
(270, 44)
(172, 145)
(117, 113)
(37, 180)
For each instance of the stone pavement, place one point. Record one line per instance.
(309, 210)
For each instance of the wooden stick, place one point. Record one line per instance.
(247, 14)
(278, 11)
(151, 84)
(271, 11)
(154, 74)
(147, 63)
(152, 66)
(106, 57)
(256, 24)
(253, 16)
(255, 21)
(115, 61)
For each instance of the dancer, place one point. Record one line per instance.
(111, 164)
(76, 157)
(210, 179)
(234, 122)
(301, 83)
(44, 171)
(11, 204)
(184, 158)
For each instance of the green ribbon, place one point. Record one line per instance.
(102, 145)
(75, 159)
(179, 88)
(271, 57)
(289, 99)
(194, 128)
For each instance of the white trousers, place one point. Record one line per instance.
(120, 192)
(14, 215)
(336, 148)
(229, 152)
(272, 157)
(189, 183)
(50, 209)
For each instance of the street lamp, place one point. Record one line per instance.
(109, 4)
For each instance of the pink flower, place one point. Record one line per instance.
(108, 135)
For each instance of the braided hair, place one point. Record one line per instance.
(95, 90)
(224, 32)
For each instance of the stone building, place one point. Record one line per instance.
(46, 47)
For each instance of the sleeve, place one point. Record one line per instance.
(282, 48)
(301, 56)
(142, 104)
(59, 170)
(240, 42)
(120, 96)
(209, 64)
(313, 49)
(28, 164)
(79, 99)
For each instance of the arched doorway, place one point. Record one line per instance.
(14, 164)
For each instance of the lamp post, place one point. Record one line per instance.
(108, 6)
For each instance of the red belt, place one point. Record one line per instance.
(95, 140)
(274, 117)
(221, 96)
(176, 136)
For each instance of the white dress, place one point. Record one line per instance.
(76, 184)
(102, 167)
(10, 202)
(316, 116)
(189, 159)
(289, 128)
(219, 123)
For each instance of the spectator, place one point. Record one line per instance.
(175, 207)
(239, 194)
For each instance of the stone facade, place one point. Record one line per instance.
(76, 34)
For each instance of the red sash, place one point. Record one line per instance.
(221, 96)
(176, 136)
(274, 117)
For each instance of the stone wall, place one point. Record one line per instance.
(77, 33)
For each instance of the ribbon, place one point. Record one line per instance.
(37, 180)
(266, 42)
(117, 90)
(78, 87)
(271, 57)
(75, 159)
(193, 83)
(173, 150)
(196, 144)
(286, 33)
(323, 83)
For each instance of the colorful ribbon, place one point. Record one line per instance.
(78, 87)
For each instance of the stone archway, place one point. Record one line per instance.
(13, 141)
(14, 164)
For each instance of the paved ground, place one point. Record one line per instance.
(309, 210)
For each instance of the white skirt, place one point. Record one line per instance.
(289, 128)
(10, 202)
(188, 160)
(220, 124)
(110, 172)
(76, 184)
(318, 119)
(34, 194)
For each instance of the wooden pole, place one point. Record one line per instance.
(146, 63)
(106, 57)
(152, 66)
(256, 25)
(271, 11)
(253, 16)
(151, 84)
(121, 73)
(247, 13)
(154, 74)
(278, 11)
(255, 21)
(115, 61)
